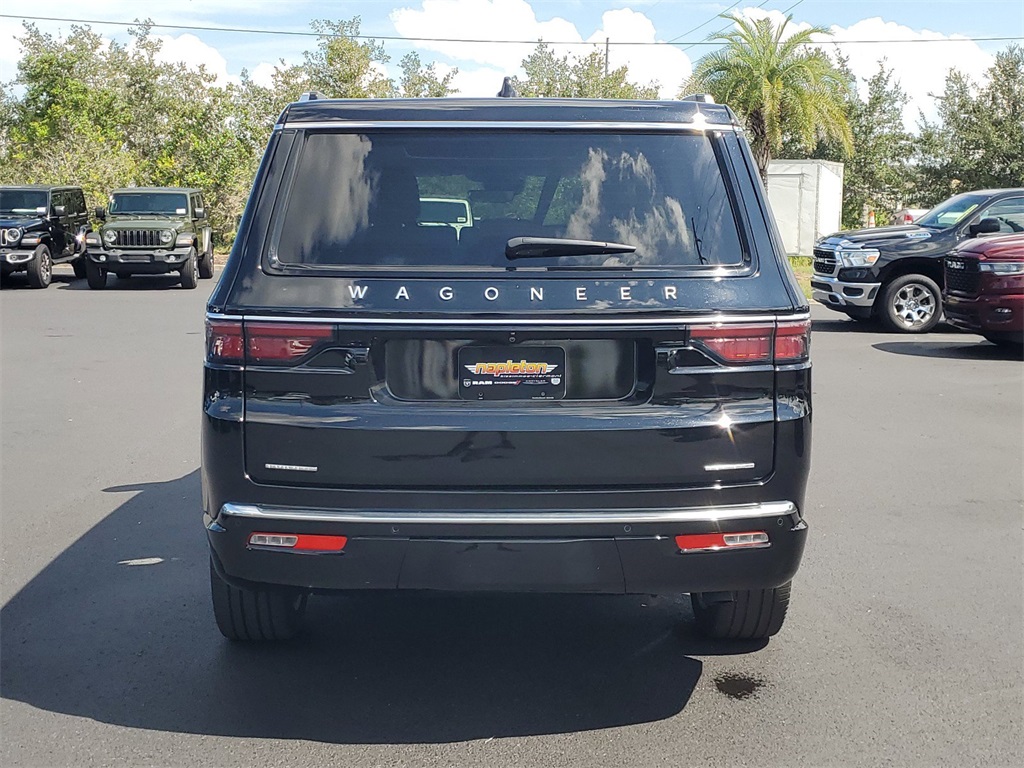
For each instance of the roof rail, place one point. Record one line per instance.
(704, 98)
(311, 96)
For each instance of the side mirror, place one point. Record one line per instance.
(200, 213)
(101, 214)
(42, 210)
(984, 227)
(59, 210)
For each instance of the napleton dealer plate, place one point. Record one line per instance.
(511, 373)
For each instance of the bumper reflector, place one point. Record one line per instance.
(711, 542)
(304, 542)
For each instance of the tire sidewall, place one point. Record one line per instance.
(41, 268)
(190, 270)
(888, 310)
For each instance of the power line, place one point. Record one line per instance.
(723, 29)
(706, 22)
(399, 38)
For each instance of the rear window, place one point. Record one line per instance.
(453, 199)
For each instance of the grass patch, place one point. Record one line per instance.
(803, 269)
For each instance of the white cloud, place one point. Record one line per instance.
(516, 20)
(193, 53)
(921, 68)
(263, 74)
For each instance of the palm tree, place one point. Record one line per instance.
(780, 87)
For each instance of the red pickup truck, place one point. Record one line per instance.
(984, 290)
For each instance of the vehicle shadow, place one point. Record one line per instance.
(118, 629)
(867, 326)
(19, 281)
(971, 348)
(137, 283)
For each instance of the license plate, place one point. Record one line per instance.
(512, 373)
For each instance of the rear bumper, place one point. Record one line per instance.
(996, 313)
(601, 551)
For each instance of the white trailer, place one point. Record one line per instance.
(806, 197)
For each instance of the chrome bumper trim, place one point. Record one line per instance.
(835, 297)
(545, 517)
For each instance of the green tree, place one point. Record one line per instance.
(978, 140)
(779, 86)
(342, 67)
(578, 77)
(419, 81)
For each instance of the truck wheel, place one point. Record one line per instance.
(206, 266)
(79, 266)
(95, 275)
(40, 269)
(911, 304)
(190, 270)
(255, 615)
(751, 614)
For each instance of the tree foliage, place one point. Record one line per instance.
(978, 141)
(780, 87)
(581, 76)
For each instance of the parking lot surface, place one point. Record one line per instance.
(903, 644)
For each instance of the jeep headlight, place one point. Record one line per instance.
(166, 236)
(861, 257)
(109, 236)
(13, 235)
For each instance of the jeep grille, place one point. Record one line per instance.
(137, 238)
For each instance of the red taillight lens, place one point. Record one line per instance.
(740, 345)
(793, 341)
(282, 342)
(736, 344)
(224, 341)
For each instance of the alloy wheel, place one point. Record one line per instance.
(914, 305)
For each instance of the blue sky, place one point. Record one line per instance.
(921, 67)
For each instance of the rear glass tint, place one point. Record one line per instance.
(453, 199)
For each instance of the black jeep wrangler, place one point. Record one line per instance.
(151, 231)
(41, 226)
(601, 386)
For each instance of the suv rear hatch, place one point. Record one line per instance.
(389, 382)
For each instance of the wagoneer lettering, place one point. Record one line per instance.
(599, 385)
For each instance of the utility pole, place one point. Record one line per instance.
(606, 57)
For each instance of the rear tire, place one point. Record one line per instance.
(95, 275)
(250, 615)
(911, 304)
(79, 266)
(40, 269)
(206, 266)
(752, 614)
(190, 270)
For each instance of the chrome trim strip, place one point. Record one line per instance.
(692, 515)
(728, 467)
(506, 125)
(292, 467)
(480, 321)
(699, 369)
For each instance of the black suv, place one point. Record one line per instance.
(41, 226)
(602, 385)
(895, 273)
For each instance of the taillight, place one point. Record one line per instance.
(224, 342)
(793, 341)
(229, 341)
(736, 344)
(788, 342)
(302, 542)
(713, 542)
(282, 342)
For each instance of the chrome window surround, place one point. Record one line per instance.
(507, 125)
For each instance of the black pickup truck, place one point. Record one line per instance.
(895, 274)
(602, 385)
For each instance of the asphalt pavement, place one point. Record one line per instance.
(903, 644)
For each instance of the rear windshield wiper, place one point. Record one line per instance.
(540, 247)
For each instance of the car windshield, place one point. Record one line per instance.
(396, 198)
(21, 202)
(160, 203)
(951, 212)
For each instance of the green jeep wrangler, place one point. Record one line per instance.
(151, 231)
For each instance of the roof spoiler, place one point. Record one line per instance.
(311, 96)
